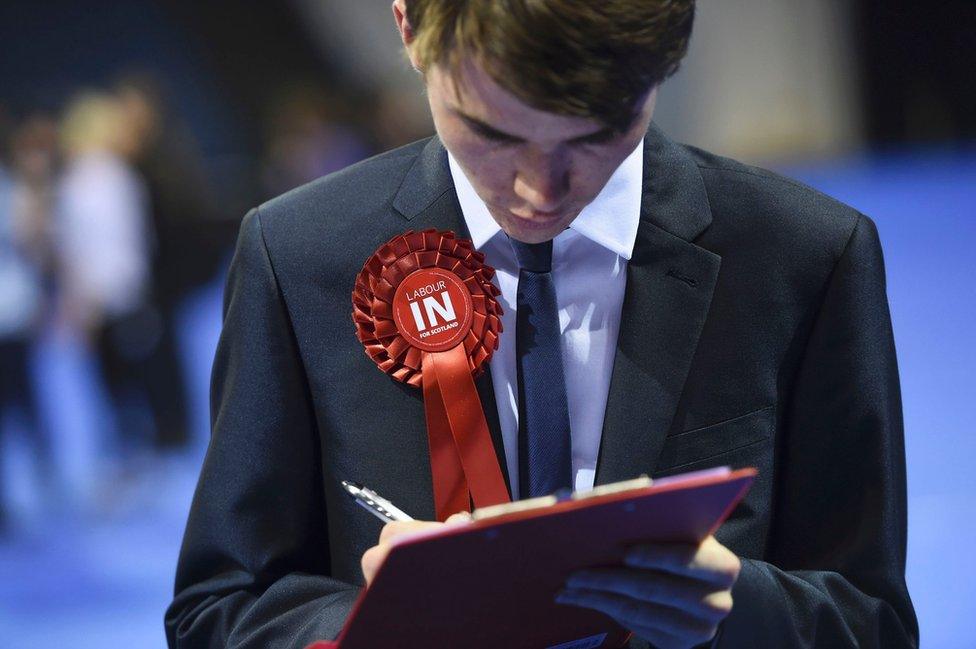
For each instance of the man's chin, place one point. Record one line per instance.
(527, 231)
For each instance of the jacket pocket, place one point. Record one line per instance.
(715, 444)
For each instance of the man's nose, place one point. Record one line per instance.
(542, 181)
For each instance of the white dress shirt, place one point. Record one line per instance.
(589, 268)
(104, 234)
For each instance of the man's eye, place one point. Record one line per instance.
(603, 137)
(497, 138)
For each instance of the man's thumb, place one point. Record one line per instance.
(459, 517)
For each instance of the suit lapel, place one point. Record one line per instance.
(669, 289)
(427, 199)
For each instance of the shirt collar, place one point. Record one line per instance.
(610, 219)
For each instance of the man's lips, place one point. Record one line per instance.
(539, 218)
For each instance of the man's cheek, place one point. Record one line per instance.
(493, 182)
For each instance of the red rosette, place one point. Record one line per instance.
(390, 265)
(427, 314)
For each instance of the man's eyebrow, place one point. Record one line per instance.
(599, 135)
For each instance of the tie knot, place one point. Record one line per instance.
(534, 257)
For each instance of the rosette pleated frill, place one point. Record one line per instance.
(427, 314)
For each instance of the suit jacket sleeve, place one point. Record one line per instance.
(254, 567)
(836, 560)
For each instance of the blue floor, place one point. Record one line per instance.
(92, 567)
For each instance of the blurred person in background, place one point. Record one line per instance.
(397, 119)
(104, 244)
(179, 208)
(309, 136)
(26, 203)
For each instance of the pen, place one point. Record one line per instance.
(375, 503)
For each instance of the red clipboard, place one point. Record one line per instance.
(491, 582)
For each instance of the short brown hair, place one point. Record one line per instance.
(584, 58)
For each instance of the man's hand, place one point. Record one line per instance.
(374, 556)
(671, 595)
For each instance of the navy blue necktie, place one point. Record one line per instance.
(545, 445)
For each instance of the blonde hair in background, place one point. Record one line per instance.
(93, 121)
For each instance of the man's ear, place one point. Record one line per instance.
(406, 31)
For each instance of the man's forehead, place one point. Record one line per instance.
(469, 92)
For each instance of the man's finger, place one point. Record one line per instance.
(633, 613)
(396, 528)
(372, 559)
(711, 561)
(696, 597)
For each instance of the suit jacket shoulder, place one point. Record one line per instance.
(341, 200)
(783, 213)
(319, 235)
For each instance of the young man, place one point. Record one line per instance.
(708, 313)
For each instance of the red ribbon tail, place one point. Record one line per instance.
(467, 426)
(450, 485)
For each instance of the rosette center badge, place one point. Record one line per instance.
(432, 309)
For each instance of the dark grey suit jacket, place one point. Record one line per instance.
(755, 332)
